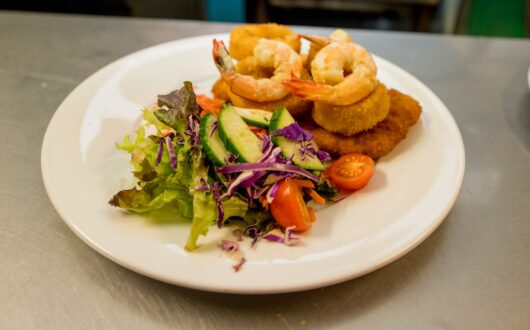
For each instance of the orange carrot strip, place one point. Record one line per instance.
(304, 183)
(316, 197)
(264, 202)
(208, 105)
(167, 131)
(312, 214)
(258, 130)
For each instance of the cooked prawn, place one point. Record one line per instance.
(318, 42)
(344, 73)
(267, 53)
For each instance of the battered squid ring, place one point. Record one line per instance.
(353, 118)
(244, 38)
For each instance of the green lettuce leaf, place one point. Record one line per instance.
(140, 200)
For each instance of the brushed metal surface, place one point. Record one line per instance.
(472, 273)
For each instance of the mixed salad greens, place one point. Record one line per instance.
(225, 168)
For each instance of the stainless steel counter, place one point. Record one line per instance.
(472, 273)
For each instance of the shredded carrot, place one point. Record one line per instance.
(304, 183)
(327, 173)
(167, 131)
(316, 197)
(258, 130)
(312, 214)
(208, 105)
(264, 202)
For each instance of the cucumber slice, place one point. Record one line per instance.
(212, 144)
(255, 117)
(237, 137)
(281, 118)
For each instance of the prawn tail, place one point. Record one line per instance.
(307, 89)
(316, 40)
(221, 57)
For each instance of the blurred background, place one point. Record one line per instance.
(507, 18)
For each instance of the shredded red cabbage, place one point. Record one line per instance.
(229, 246)
(286, 238)
(323, 156)
(215, 189)
(289, 238)
(252, 231)
(266, 143)
(193, 130)
(237, 182)
(271, 193)
(237, 267)
(294, 132)
(273, 237)
(278, 167)
(214, 127)
(160, 152)
(171, 152)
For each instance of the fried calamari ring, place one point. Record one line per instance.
(378, 141)
(354, 118)
(244, 38)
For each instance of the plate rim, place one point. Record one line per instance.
(344, 276)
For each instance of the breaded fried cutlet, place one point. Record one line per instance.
(354, 118)
(378, 141)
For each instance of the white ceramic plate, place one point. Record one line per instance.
(410, 194)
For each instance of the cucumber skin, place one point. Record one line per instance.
(204, 133)
(226, 139)
(314, 164)
(250, 121)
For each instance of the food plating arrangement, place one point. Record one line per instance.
(284, 133)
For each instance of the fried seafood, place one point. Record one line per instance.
(293, 104)
(267, 53)
(318, 42)
(248, 66)
(344, 73)
(220, 90)
(244, 38)
(353, 118)
(378, 141)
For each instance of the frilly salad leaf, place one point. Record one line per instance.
(180, 104)
(160, 184)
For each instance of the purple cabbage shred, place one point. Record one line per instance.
(294, 132)
(160, 152)
(229, 246)
(171, 152)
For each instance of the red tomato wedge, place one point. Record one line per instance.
(288, 207)
(352, 171)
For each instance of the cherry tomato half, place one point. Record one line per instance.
(352, 171)
(288, 207)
